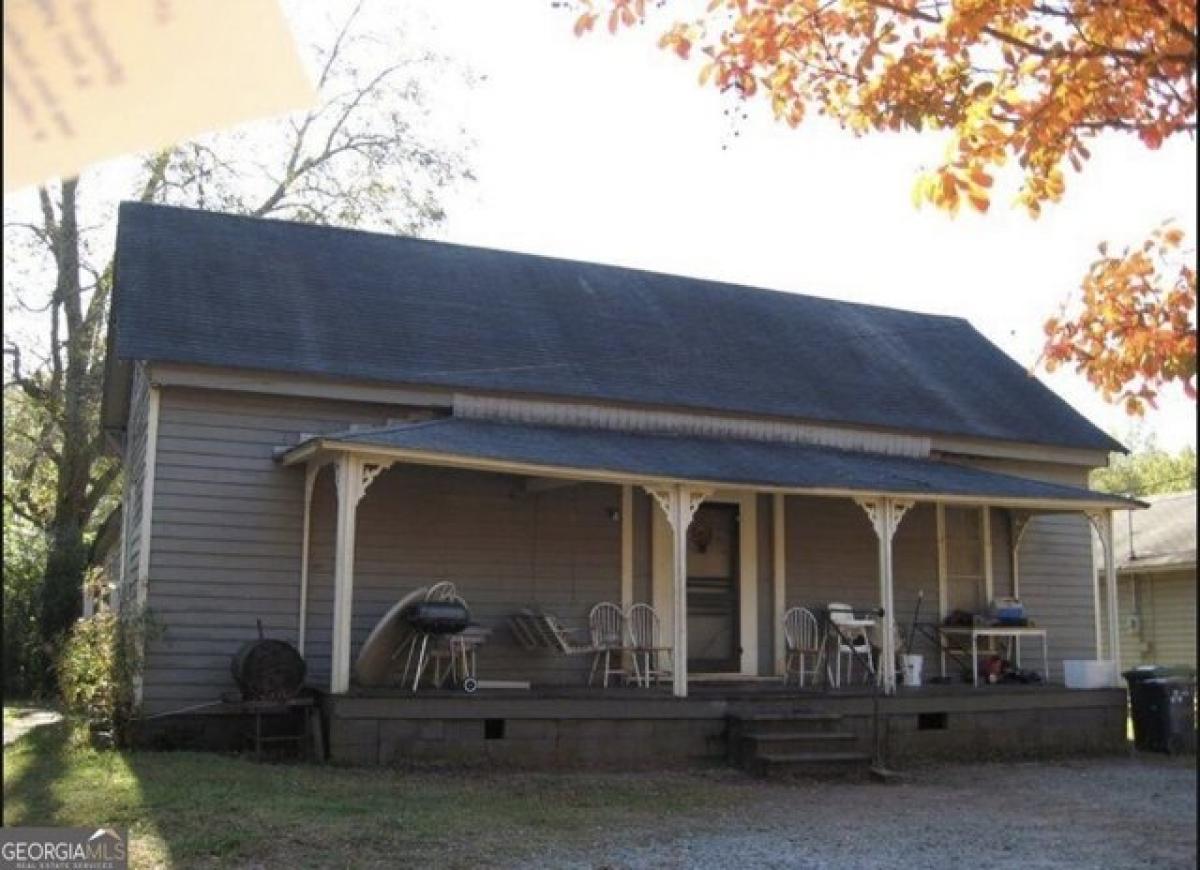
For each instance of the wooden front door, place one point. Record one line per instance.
(714, 644)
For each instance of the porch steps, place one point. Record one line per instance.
(797, 743)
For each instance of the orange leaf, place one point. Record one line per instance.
(584, 23)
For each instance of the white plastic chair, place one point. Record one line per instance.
(802, 639)
(644, 630)
(607, 625)
(850, 640)
(443, 590)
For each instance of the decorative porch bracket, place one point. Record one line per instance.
(1102, 522)
(353, 475)
(885, 515)
(1019, 521)
(680, 504)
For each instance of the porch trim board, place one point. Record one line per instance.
(381, 454)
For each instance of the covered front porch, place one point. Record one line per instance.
(561, 518)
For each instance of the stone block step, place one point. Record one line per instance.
(797, 759)
(785, 723)
(783, 715)
(782, 738)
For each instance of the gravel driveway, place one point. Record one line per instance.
(1110, 813)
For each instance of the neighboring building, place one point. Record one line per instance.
(1156, 583)
(314, 421)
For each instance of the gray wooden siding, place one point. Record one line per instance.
(832, 556)
(227, 531)
(1057, 575)
(1164, 604)
(133, 491)
(557, 550)
(1057, 588)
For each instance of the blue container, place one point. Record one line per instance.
(1008, 610)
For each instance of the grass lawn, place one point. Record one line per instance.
(193, 809)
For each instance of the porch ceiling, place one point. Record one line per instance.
(628, 457)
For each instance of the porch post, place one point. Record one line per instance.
(885, 515)
(348, 476)
(779, 579)
(353, 476)
(310, 478)
(679, 503)
(626, 546)
(1102, 521)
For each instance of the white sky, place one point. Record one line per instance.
(606, 149)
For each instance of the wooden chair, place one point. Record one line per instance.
(644, 631)
(802, 640)
(606, 622)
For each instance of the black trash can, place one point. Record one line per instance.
(1163, 709)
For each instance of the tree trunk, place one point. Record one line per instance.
(62, 584)
(70, 397)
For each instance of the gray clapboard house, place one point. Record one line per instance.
(314, 421)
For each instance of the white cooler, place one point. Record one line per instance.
(1089, 673)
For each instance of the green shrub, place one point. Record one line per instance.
(26, 658)
(99, 665)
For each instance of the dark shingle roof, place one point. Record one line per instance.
(709, 460)
(214, 289)
(1163, 536)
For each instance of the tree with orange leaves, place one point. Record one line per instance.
(1024, 81)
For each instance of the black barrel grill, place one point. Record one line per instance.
(438, 617)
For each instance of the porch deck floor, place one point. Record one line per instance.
(715, 691)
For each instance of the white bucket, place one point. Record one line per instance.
(911, 665)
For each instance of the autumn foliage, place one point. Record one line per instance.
(1133, 331)
(1017, 86)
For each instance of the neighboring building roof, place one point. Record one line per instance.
(220, 290)
(1160, 537)
(699, 459)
